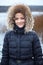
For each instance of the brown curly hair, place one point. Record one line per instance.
(25, 10)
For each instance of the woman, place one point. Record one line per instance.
(21, 44)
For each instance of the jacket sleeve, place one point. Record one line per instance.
(5, 51)
(37, 50)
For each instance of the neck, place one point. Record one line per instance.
(18, 29)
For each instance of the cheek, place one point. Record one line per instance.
(23, 21)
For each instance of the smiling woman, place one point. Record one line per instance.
(21, 44)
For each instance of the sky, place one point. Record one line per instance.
(27, 2)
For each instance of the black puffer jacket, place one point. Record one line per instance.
(21, 49)
(21, 46)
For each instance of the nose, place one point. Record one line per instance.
(19, 20)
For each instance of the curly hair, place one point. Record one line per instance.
(25, 10)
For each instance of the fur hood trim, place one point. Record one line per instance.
(29, 18)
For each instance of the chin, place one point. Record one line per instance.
(20, 26)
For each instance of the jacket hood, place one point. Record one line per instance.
(28, 15)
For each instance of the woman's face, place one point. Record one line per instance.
(19, 20)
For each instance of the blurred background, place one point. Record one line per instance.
(36, 7)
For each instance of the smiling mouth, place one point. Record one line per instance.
(20, 23)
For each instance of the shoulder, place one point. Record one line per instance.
(33, 33)
(8, 33)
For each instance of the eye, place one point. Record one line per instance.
(15, 18)
(22, 18)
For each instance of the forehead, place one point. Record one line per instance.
(19, 15)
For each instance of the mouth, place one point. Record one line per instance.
(20, 23)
